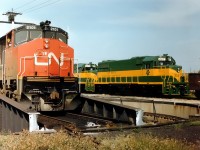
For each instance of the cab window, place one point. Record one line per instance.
(62, 37)
(161, 63)
(21, 37)
(49, 34)
(147, 66)
(35, 34)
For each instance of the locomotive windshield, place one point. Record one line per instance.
(61, 37)
(21, 37)
(49, 34)
(55, 35)
(166, 61)
(35, 34)
(89, 67)
(30, 32)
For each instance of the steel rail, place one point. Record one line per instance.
(72, 127)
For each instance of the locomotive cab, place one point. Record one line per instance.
(89, 68)
(165, 60)
(174, 82)
(150, 62)
(37, 64)
(87, 74)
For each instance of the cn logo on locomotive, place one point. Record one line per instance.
(49, 56)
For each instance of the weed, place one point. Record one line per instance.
(178, 126)
(194, 123)
(62, 141)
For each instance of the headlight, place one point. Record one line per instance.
(46, 46)
(46, 40)
(46, 43)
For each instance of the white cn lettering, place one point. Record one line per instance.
(49, 56)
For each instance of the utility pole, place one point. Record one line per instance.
(11, 18)
(11, 15)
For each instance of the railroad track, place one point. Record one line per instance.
(73, 123)
(83, 124)
(162, 112)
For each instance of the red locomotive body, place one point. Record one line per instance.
(37, 64)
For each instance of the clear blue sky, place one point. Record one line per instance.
(119, 29)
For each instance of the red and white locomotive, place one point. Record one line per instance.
(37, 64)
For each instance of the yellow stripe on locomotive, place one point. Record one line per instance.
(144, 75)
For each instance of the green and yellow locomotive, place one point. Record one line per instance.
(145, 75)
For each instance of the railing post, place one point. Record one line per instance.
(33, 126)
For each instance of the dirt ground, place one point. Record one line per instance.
(187, 132)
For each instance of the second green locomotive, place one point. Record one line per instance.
(145, 75)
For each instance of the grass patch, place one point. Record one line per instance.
(178, 126)
(182, 125)
(62, 141)
(194, 123)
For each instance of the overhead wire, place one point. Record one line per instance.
(35, 6)
(24, 5)
(39, 6)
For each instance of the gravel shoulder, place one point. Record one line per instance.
(187, 132)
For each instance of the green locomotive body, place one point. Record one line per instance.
(146, 75)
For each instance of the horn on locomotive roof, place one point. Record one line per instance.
(45, 25)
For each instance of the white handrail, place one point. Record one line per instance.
(20, 70)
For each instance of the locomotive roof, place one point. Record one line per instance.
(136, 63)
(133, 58)
(143, 58)
(150, 58)
(38, 27)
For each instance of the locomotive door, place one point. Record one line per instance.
(147, 67)
(90, 86)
